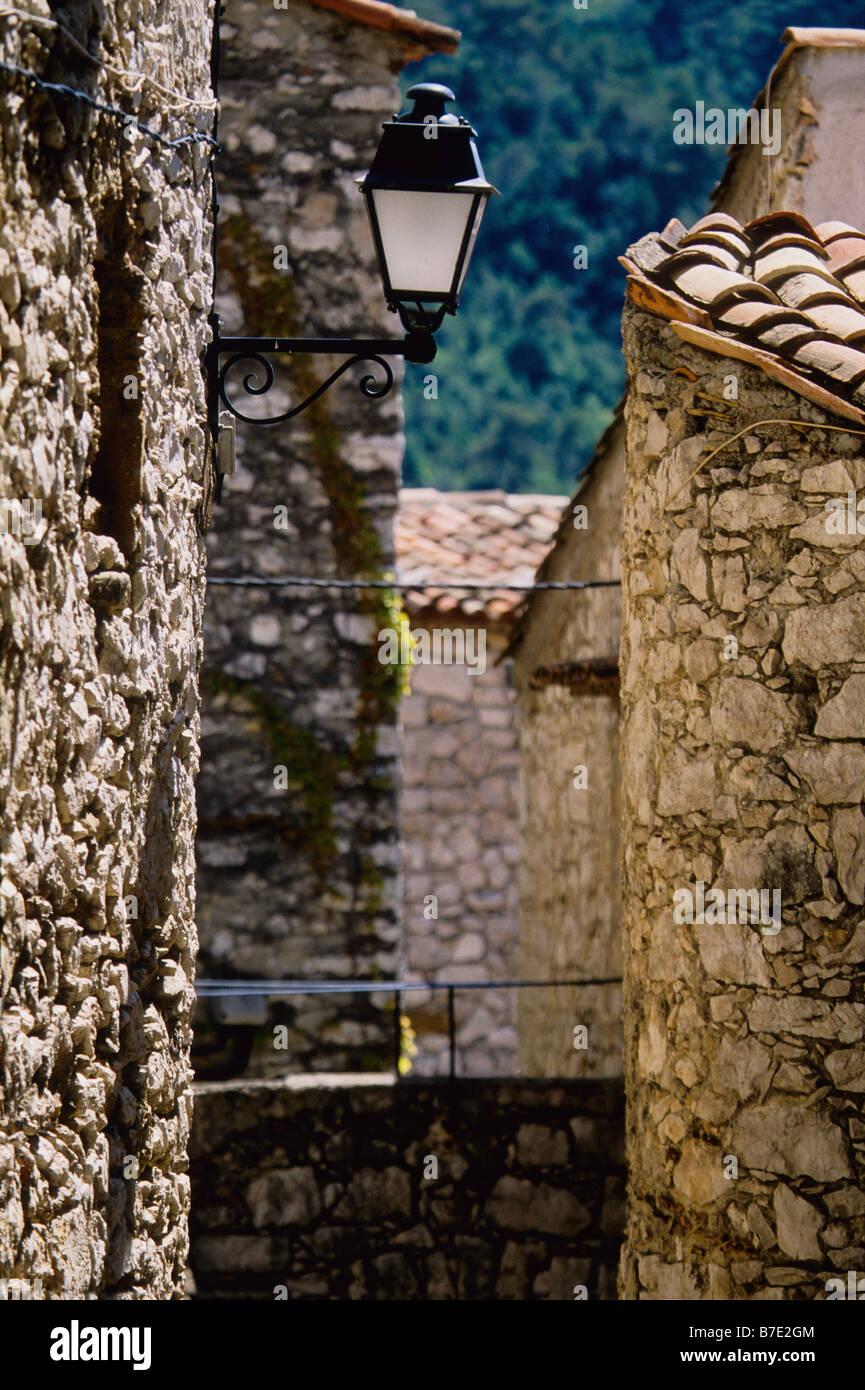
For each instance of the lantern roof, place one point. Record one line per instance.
(428, 148)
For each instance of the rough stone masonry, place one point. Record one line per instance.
(105, 286)
(743, 767)
(299, 870)
(351, 1187)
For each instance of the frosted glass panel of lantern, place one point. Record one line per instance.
(481, 208)
(421, 234)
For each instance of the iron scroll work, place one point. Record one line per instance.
(226, 354)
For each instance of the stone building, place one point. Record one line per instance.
(298, 852)
(566, 652)
(105, 287)
(743, 758)
(690, 1097)
(816, 87)
(460, 819)
(742, 726)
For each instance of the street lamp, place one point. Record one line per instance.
(425, 194)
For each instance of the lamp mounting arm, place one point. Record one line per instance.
(224, 354)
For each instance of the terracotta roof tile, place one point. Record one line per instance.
(774, 262)
(716, 219)
(785, 336)
(829, 232)
(842, 320)
(673, 232)
(474, 536)
(777, 291)
(706, 283)
(854, 281)
(809, 287)
(846, 253)
(717, 248)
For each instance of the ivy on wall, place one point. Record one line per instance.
(269, 299)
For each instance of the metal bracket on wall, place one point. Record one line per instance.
(224, 354)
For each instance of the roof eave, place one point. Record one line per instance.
(403, 24)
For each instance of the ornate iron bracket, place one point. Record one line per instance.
(224, 354)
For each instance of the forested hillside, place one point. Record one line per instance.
(574, 109)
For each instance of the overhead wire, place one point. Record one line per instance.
(125, 117)
(132, 80)
(485, 586)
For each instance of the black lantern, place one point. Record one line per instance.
(426, 194)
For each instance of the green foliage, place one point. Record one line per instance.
(269, 298)
(312, 768)
(574, 110)
(407, 1045)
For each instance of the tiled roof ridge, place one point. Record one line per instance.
(801, 36)
(775, 291)
(437, 38)
(519, 499)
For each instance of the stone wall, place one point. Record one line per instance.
(461, 844)
(570, 907)
(105, 284)
(743, 767)
(315, 1189)
(299, 871)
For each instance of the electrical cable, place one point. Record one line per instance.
(125, 117)
(302, 582)
(133, 81)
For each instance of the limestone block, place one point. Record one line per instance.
(538, 1145)
(745, 712)
(733, 952)
(825, 634)
(833, 479)
(442, 682)
(284, 1197)
(470, 947)
(741, 509)
(846, 1202)
(835, 772)
(728, 582)
(689, 563)
(808, 1017)
(741, 1066)
(762, 627)
(374, 1196)
(698, 1177)
(791, 1140)
(847, 1069)
(848, 842)
(685, 784)
(798, 1224)
(814, 533)
(844, 715)
(701, 659)
(657, 434)
(782, 859)
(520, 1205)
